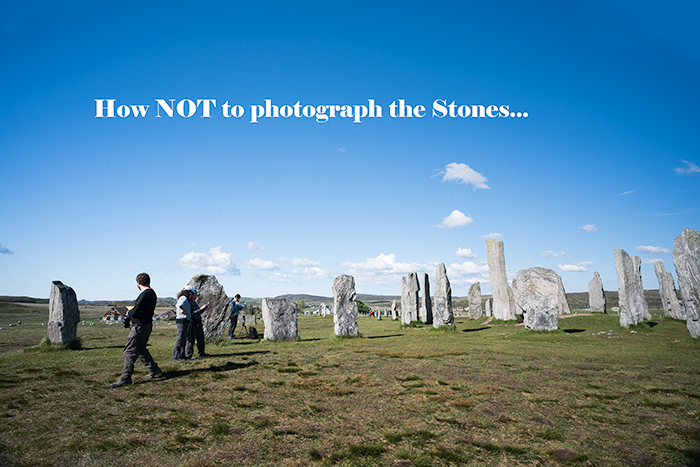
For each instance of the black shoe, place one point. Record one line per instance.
(153, 374)
(120, 382)
(191, 358)
(202, 355)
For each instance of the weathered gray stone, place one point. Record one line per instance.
(280, 318)
(686, 258)
(637, 261)
(667, 289)
(475, 301)
(504, 306)
(630, 293)
(323, 310)
(596, 294)
(409, 298)
(215, 317)
(487, 307)
(64, 314)
(541, 295)
(393, 309)
(442, 306)
(345, 306)
(426, 306)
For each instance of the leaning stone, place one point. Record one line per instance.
(504, 306)
(426, 307)
(64, 314)
(393, 309)
(596, 294)
(686, 258)
(442, 306)
(216, 316)
(630, 296)
(475, 301)
(280, 318)
(487, 307)
(667, 289)
(541, 294)
(345, 306)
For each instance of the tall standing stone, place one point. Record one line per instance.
(637, 261)
(323, 310)
(503, 306)
(345, 306)
(487, 307)
(475, 301)
(686, 258)
(596, 294)
(280, 318)
(409, 298)
(216, 316)
(667, 289)
(442, 306)
(64, 314)
(426, 307)
(393, 309)
(540, 292)
(630, 293)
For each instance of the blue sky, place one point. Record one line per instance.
(606, 158)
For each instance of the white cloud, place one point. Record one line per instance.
(214, 262)
(384, 269)
(467, 273)
(5, 251)
(551, 254)
(588, 227)
(312, 273)
(341, 149)
(626, 193)
(691, 168)
(576, 267)
(252, 246)
(280, 277)
(455, 219)
(492, 236)
(653, 250)
(465, 174)
(257, 263)
(303, 262)
(651, 260)
(465, 253)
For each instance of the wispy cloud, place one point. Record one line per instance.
(252, 246)
(625, 193)
(5, 251)
(688, 169)
(455, 219)
(213, 262)
(651, 260)
(261, 264)
(462, 173)
(653, 250)
(341, 149)
(588, 227)
(576, 267)
(467, 273)
(551, 254)
(383, 270)
(465, 253)
(492, 236)
(303, 262)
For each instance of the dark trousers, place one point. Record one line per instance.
(196, 332)
(232, 326)
(183, 327)
(136, 348)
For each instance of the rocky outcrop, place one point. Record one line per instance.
(686, 258)
(64, 314)
(541, 295)
(215, 317)
(504, 306)
(630, 293)
(280, 318)
(345, 306)
(426, 308)
(667, 290)
(475, 301)
(442, 306)
(596, 294)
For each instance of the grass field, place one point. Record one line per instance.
(591, 394)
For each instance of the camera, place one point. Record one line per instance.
(127, 322)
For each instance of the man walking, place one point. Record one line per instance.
(141, 316)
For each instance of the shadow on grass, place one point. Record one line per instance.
(652, 324)
(229, 366)
(382, 337)
(573, 331)
(239, 354)
(475, 329)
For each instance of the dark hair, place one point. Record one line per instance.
(143, 279)
(237, 295)
(186, 293)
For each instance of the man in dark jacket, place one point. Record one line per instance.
(141, 316)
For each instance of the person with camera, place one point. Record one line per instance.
(233, 317)
(183, 317)
(141, 320)
(196, 331)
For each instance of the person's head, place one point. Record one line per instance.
(188, 292)
(237, 297)
(143, 279)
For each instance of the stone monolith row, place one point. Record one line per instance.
(442, 306)
(215, 317)
(686, 258)
(596, 294)
(280, 318)
(541, 295)
(503, 306)
(667, 289)
(426, 307)
(344, 306)
(475, 301)
(630, 293)
(64, 314)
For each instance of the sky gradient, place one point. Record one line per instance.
(606, 158)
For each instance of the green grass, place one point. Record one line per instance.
(396, 395)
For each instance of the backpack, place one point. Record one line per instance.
(252, 333)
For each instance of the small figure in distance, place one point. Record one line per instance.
(235, 308)
(141, 316)
(183, 317)
(196, 329)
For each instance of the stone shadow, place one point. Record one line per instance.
(383, 337)
(573, 331)
(229, 366)
(475, 329)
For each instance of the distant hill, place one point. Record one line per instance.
(9, 298)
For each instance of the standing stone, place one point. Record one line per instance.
(426, 307)
(686, 258)
(667, 289)
(504, 305)
(280, 318)
(323, 310)
(487, 307)
(393, 309)
(409, 298)
(64, 314)
(637, 261)
(475, 301)
(215, 317)
(345, 306)
(541, 295)
(630, 294)
(596, 294)
(442, 309)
